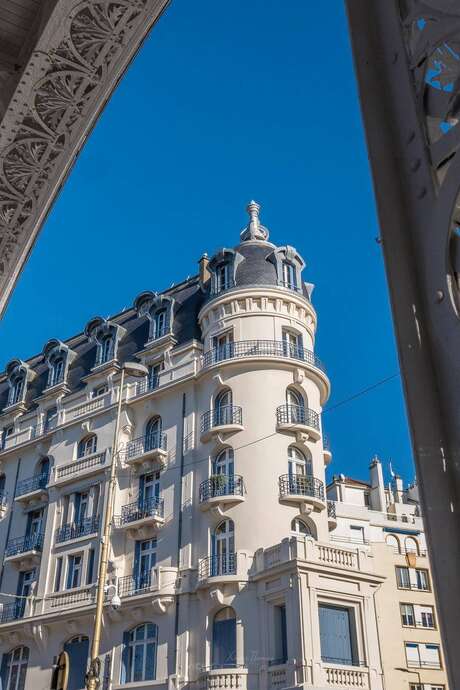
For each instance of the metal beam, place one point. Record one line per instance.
(410, 119)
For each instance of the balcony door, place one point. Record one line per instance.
(81, 507)
(222, 345)
(223, 408)
(34, 523)
(223, 549)
(78, 650)
(24, 590)
(145, 559)
(223, 471)
(149, 490)
(224, 639)
(292, 344)
(152, 434)
(295, 407)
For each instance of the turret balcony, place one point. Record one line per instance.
(257, 349)
(24, 549)
(226, 419)
(152, 447)
(303, 490)
(221, 490)
(222, 568)
(296, 418)
(32, 489)
(141, 515)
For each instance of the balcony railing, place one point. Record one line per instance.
(88, 462)
(261, 348)
(27, 486)
(331, 510)
(140, 510)
(222, 416)
(12, 611)
(221, 485)
(145, 444)
(301, 485)
(31, 542)
(342, 661)
(136, 584)
(150, 383)
(297, 414)
(217, 566)
(74, 530)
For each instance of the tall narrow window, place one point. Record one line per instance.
(289, 276)
(17, 385)
(292, 344)
(90, 571)
(153, 434)
(74, 567)
(77, 648)
(223, 408)
(224, 639)
(223, 560)
(139, 654)
(57, 574)
(14, 669)
(223, 346)
(145, 559)
(25, 581)
(56, 370)
(280, 634)
(153, 380)
(223, 277)
(159, 324)
(338, 635)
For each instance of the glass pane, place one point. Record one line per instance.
(138, 662)
(150, 662)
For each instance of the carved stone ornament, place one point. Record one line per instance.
(82, 52)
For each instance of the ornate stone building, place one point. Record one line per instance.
(224, 569)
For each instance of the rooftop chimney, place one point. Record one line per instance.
(204, 272)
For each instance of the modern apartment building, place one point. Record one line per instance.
(232, 567)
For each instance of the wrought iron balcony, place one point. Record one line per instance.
(331, 510)
(218, 566)
(31, 542)
(141, 510)
(13, 611)
(74, 530)
(261, 348)
(28, 486)
(226, 415)
(301, 485)
(136, 584)
(152, 444)
(150, 383)
(221, 486)
(297, 415)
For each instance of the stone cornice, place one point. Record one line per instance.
(82, 52)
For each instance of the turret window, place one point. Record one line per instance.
(223, 281)
(289, 279)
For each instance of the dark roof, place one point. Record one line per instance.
(255, 269)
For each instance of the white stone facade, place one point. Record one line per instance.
(225, 497)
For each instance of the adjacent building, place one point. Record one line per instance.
(232, 564)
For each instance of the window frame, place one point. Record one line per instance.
(22, 663)
(130, 643)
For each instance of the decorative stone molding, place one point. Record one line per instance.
(82, 52)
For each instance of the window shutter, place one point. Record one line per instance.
(125, 671)
(4, 670)
(336, 644)
(141, 490)
(78, 662)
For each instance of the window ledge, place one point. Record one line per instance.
(139, 684)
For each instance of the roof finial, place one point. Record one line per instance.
(254, 230)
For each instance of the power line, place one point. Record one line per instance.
(361, 392)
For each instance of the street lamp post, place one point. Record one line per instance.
(93, 675)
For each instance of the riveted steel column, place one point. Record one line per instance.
(415, 207)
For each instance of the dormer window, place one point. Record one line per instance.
(159, 310)
(58, 356)
(159, 328)
(289, 276)
(222, 268)
(106, 350)
(18, 373)
(106, 335)
(223, 277)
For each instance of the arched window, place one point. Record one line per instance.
(159, 324)
(224, 639)
(77, 648)
(223, 560)
(411, 545)
(295, 406)
(14, 669)
(223, 408)
(300, 527)
(87, 446)
(393, 541)
(223, 463)
(106, 349)
(56, 369)
(153, 433)
(44, 468)
(17, 386)
(298, 463)
(139, 653)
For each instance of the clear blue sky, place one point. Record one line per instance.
(227, 102)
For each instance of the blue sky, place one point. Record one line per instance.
(228, 102)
